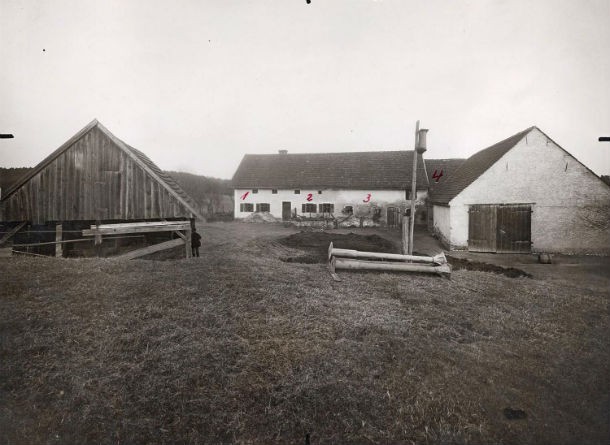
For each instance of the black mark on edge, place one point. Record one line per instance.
(604, 139)
(6, 136)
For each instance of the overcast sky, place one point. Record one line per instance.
(198, 84)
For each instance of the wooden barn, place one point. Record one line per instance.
(95, 180)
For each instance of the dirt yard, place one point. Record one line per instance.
(245, 346)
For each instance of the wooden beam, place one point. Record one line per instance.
(58, 239)
(348, 263)
(150, 249)
(141, 224)
(405, 234)
(8, 235)
(187, 243)
(348, 253)
(135, 229)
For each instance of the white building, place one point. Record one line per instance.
(523, 194)
(372, 185)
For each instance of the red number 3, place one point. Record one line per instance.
(368, 198)
(309, 196)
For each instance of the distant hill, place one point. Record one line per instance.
(214, 196)
(8, 176)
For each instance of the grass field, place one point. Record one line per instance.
(239, 346)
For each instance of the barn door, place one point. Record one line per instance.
(482, 228)
(514, 224)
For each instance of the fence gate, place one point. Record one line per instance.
(393, 217)
(502, 228)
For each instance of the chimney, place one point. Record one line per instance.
(283, 152)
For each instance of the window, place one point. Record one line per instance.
(254, 191)
(327, 208)
(297, 192)
(319, 192)
(246, 207)
(408, 195)
(348, 210)
(263, 207)
(274, 191)
(309, 208)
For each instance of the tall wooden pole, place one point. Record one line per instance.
(413, 191)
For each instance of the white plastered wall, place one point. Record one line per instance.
(570, 204)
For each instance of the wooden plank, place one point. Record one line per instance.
(58, 240)
(151, 249)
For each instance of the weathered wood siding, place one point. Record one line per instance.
(93, 179)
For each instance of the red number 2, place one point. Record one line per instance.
(368, 198)
(309, 196)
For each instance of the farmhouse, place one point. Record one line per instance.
(93, 178)
(371, 185)
(523, 194)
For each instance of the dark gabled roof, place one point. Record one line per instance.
(472, 168)
(354, 170)
(443, 168)
(140, 158)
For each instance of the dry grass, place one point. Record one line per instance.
(240, 347)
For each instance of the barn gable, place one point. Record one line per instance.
(96, 176)
(473, 167)
(534, 197)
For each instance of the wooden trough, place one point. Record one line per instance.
(356, 260)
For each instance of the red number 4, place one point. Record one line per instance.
(437, 176)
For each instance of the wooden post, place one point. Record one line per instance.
(405, 236)
(187, 243)
(58, 240)
(413, 191)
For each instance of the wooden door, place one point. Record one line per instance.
(393, 217)
(514, 228)
(482, 228)
(286, 210)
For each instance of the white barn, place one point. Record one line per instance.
(373, 185)
(523, 194)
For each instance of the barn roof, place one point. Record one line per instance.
(140, 158)
(472, 168)
(443, 169)
(354, 170)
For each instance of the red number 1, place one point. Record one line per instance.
(245, 195)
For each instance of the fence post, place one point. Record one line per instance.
(58, 240)
(405, 234)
